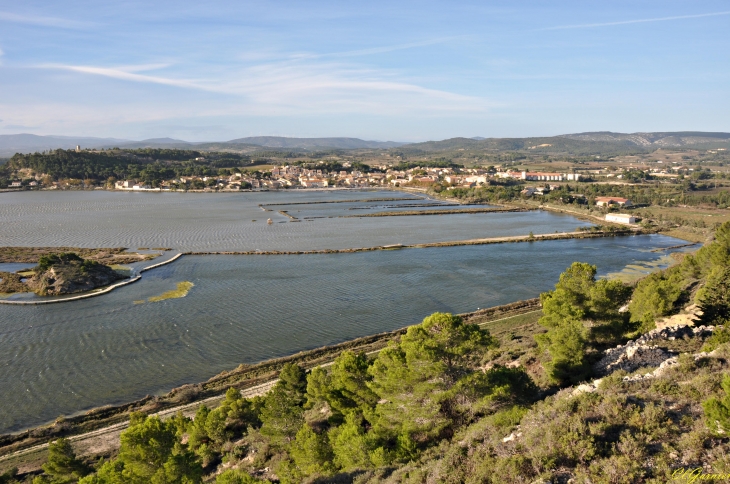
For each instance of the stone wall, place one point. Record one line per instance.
(639, 353)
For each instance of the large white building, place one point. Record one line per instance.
(538, 176)
(621, 218)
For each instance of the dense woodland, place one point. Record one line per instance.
(149, 165)
(433, 406)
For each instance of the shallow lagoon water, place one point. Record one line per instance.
(63, 358)
(223, 221)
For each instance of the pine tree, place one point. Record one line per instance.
(717, 410)
(348, 385)
(714, 298)
(311, 452)
(412, 377)
(150, 452)
(281, 417)
(62, 466)
(350, 444)
(566, 345)
(578, 312)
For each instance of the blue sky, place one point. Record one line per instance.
(386, 70)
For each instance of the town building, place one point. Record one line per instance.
(538, 176)
(608, 201)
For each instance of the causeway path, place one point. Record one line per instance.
(94, 293)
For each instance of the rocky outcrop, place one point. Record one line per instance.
(671, 362)
(640, 353)
(68, 275)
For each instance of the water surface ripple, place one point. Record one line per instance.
(223, 221)
(60, 359)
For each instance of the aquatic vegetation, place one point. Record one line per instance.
(122, 269)
(633, 272)
(183, 288)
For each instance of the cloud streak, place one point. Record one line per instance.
(380, 50)
(302, 87)
(43, 21)
(636, 21)
(127, 74)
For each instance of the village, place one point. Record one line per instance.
(297, 177)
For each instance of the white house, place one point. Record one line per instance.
(608, 201)
(314, 183)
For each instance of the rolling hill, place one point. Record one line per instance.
(603, 142)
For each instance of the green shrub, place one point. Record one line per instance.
(655, 296)
(720, 336)
(717, 410)
(234, 476)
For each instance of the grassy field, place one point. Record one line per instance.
(258, 168)
(501, 326)
(517, 345)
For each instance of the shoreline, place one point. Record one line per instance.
(586, 217)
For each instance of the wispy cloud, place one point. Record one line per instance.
(127, 74)
(299, 86)
(43, 21)
(636, 21)
(380, 50)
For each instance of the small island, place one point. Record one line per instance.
(59, 274)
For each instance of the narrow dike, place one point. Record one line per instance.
(454, 243)
(98, 292)
(402, 213)
(487, 241)
(319, 202)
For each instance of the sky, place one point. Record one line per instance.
(381, 70)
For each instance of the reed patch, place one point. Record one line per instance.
(183, 288)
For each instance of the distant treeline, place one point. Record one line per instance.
(335, 166)
(149, 165)
(689, 192)
(435, 163)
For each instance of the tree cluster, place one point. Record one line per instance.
(151, 166)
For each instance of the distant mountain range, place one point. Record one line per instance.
(29, 143)
(579, 143)
(584, 143)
